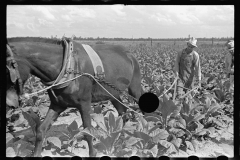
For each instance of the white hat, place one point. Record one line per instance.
(192, 41)
(230, 45)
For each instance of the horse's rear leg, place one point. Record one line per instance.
(52, 115)
(135, 88)
(84, 109)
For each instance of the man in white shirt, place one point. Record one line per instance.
(187, 65)
(229, 62)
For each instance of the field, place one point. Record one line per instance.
(202, 125)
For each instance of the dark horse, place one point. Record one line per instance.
(43, 58)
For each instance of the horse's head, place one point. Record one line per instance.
(14, 81)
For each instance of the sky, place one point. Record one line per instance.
(122, 21)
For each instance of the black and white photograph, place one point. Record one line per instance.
(120, 80)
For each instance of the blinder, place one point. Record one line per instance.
(13, 75)
(13, 70)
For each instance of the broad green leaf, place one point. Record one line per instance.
(150, 144)
(131, 141)
(17, 145)
(170, 148)
(211, 130)
(143, 124)
(202, 132)
(219, 94)
(73, 126)
(219, 84)
(9, 137)
(175, 123)
(182, 121)
(161, 135)
(31, 122)
(99, 119)
(153, 117)
(185, 108)
(119, 124)
(148, 80)
(190, 145)
(145, 137)
(109, 141)
(177, 132)
(227, 85)
(130, 126)
(23, 151)
(43, 110)
(176, 142)
(151, 152)
(167, 107)
(187, 118)
(100, 147)
(157, 90)
(35, 117)
(192, 126)
(97, 109)
(199, 127)
(195, 144)
(111, 122)
(198, 117)
(34, 98)
(213, 109)
(55, 140)
(171, 123)
(154, 131)
(208, 102)
(139, 145)
(198, 109)
(58, 131)
(96, 133)
(66, 153)
(210, 79)
(220, 123)
(10, 152)
(123, 153)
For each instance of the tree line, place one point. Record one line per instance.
(137, 39)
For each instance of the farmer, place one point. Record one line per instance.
(229, 62)
(187, 65)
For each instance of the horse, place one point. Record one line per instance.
(44, 58)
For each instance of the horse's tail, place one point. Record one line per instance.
(135, 87)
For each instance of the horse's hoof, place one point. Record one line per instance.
(37, 155)
(93, 154)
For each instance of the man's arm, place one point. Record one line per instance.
(228, 63)
(176, 66)
(197, 67)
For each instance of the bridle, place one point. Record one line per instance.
(12, 66)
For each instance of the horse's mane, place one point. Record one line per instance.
(35, 39)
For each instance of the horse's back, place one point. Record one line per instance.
(117, 58)
(114, 52)
(117, 62)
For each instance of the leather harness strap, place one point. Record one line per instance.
(96, 61)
